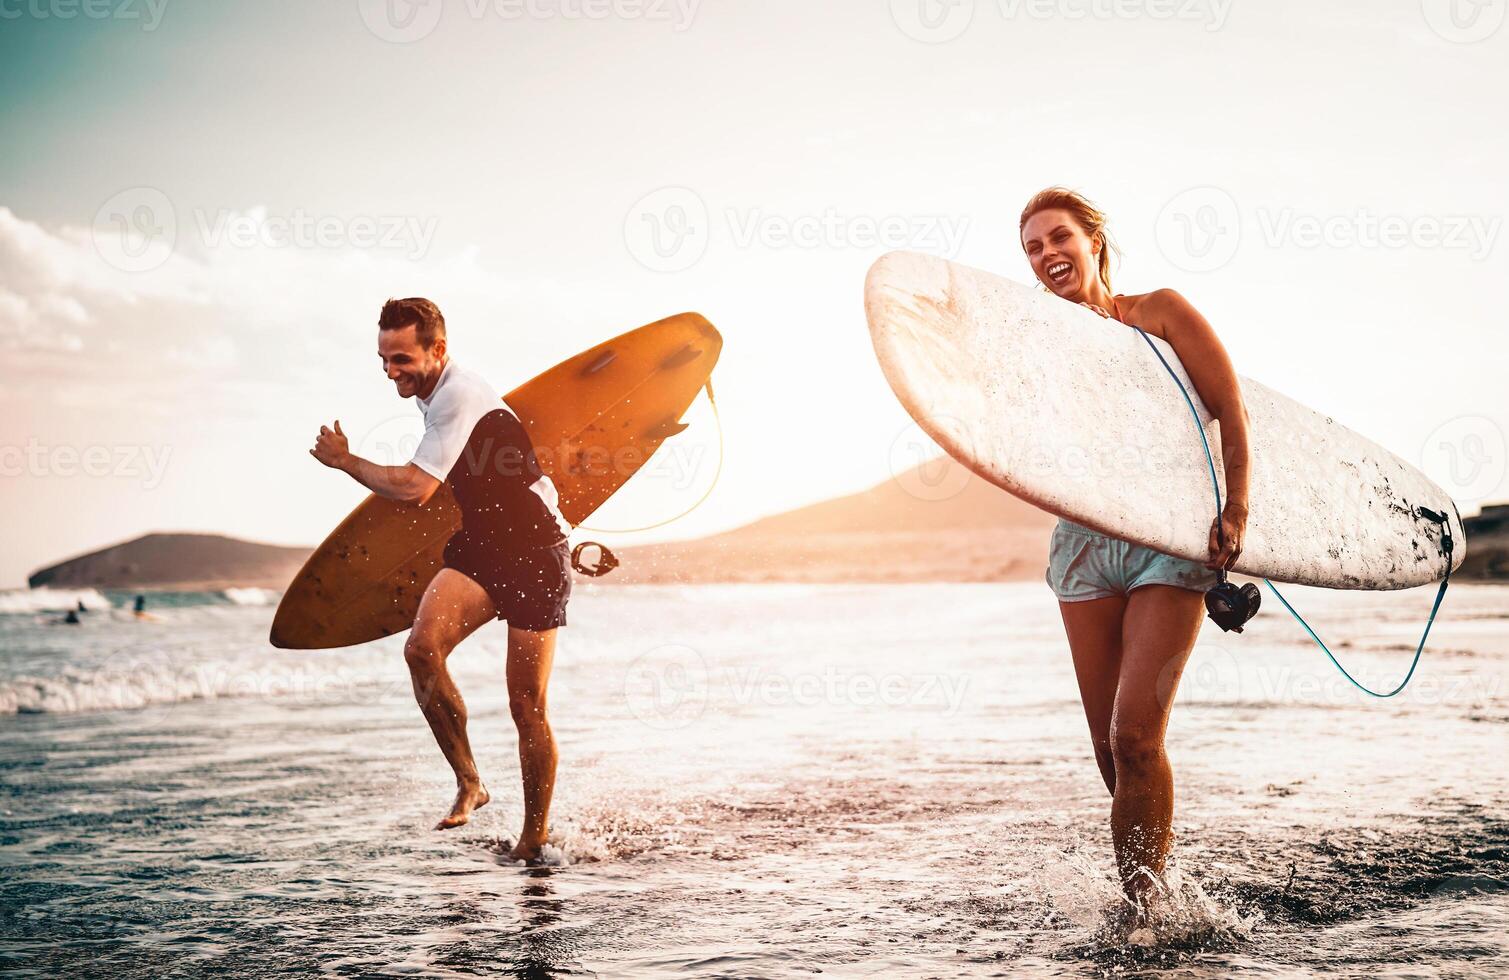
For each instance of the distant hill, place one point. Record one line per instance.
(177, 561)
(1487, 544)
(935, 523)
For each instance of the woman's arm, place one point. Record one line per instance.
(1215, 380)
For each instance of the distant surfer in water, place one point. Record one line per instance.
(1131, 613)
(509, 560)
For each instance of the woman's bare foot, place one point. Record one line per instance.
(526, 851)
(469, 797)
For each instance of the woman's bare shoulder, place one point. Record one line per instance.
(1153, 311)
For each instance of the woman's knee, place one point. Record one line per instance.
(1136, 747)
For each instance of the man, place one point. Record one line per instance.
(509, 560)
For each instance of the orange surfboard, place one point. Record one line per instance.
(595, 420)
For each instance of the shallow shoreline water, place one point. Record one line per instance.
(756, 781)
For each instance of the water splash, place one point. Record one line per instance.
(1180, 916)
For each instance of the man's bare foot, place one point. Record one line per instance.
(526, 851)
(469, 797)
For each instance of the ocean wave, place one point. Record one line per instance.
(41, 600)
(16, 601)
(78, 691)
(135, 682)
(250, 596)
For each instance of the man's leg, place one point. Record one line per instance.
(530, 656)
(452, 609)
(1158, 634)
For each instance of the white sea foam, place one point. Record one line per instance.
(132, 681)
(250, 597)
(1181, 913)
(75, 691)
(14, 601)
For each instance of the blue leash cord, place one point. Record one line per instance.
(1210, 458)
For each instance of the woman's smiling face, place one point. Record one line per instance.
(1063, 256)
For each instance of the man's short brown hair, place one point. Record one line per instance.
(424, 315)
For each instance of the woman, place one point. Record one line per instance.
(1131, 613)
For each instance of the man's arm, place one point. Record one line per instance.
(407, 483)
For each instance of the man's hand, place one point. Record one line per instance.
(331, 448)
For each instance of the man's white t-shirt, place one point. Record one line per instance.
(499, 486)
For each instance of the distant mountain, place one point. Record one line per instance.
(1487, 544)
(935, 523)
(177, 561)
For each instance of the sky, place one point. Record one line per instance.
(204, 206)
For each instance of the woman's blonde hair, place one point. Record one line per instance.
(1085, 213)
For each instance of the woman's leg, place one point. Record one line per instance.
(530, 656)
(1094, 630)
(1159, 630)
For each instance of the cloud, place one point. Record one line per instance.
(210, 313)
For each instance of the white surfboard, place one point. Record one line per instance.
(1074, 413)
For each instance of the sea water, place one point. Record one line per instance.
(755, 781)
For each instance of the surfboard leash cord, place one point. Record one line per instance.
(1442, 519)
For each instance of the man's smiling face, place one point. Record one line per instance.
(412, 369)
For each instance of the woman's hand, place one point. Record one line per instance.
(1227, 535)
(1096, 309)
